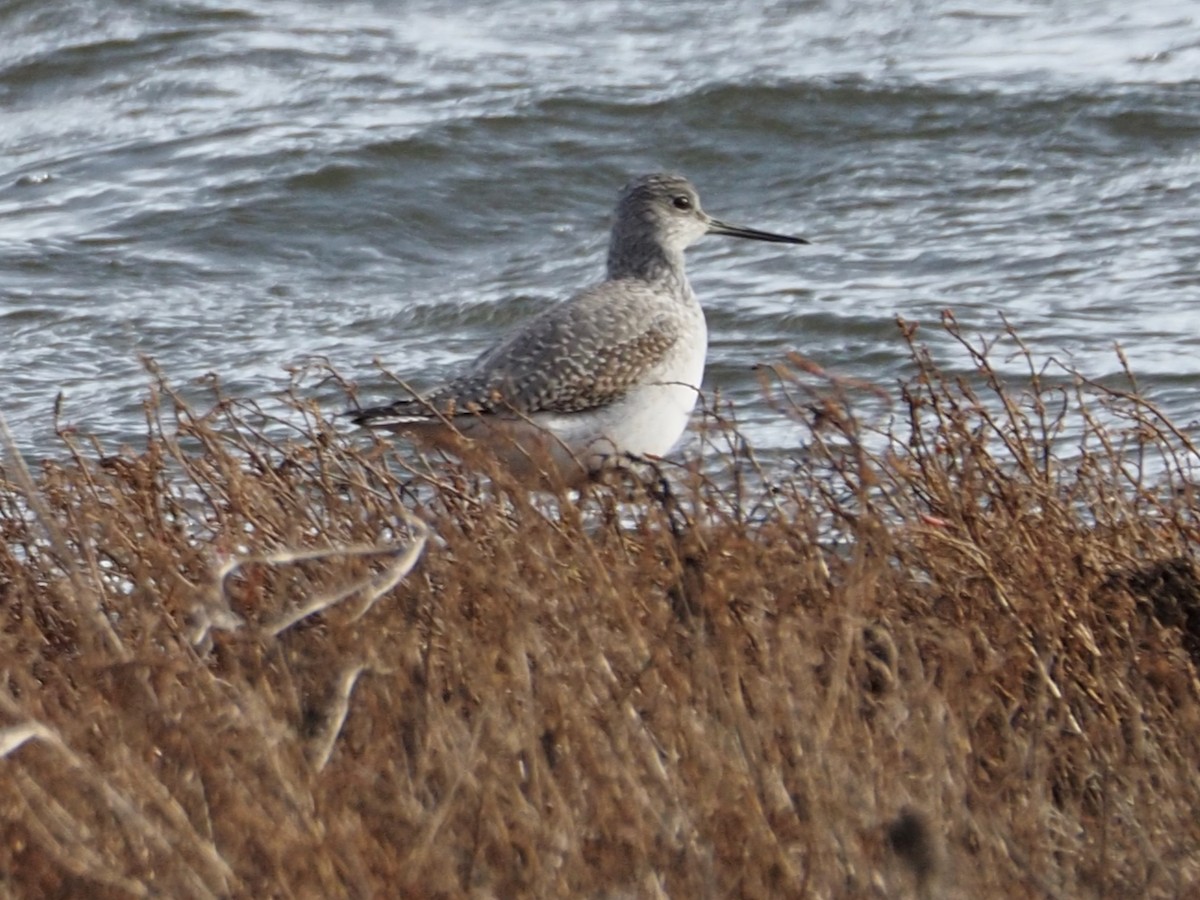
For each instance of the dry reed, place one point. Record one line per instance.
(953, 657)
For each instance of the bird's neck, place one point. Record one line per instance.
(645, 261)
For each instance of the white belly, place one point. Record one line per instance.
(648, 420)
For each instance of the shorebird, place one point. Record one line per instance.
(611, 373)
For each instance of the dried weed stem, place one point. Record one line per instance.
(952, 654)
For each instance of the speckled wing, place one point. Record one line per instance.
(581, 354)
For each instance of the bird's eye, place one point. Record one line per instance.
(682, 202)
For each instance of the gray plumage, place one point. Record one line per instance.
(575, 356)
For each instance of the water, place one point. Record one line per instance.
(236, 188)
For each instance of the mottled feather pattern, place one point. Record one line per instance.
(575, 356)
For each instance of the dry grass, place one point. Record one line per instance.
(954, 661)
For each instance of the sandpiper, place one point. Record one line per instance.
(611, 373)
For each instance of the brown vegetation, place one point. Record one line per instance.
(954, 661)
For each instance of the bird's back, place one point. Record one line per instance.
(583, 353)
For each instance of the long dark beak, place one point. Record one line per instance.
(717, 227)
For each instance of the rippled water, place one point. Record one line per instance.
(235, 188)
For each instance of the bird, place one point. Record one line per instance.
(608, 375)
